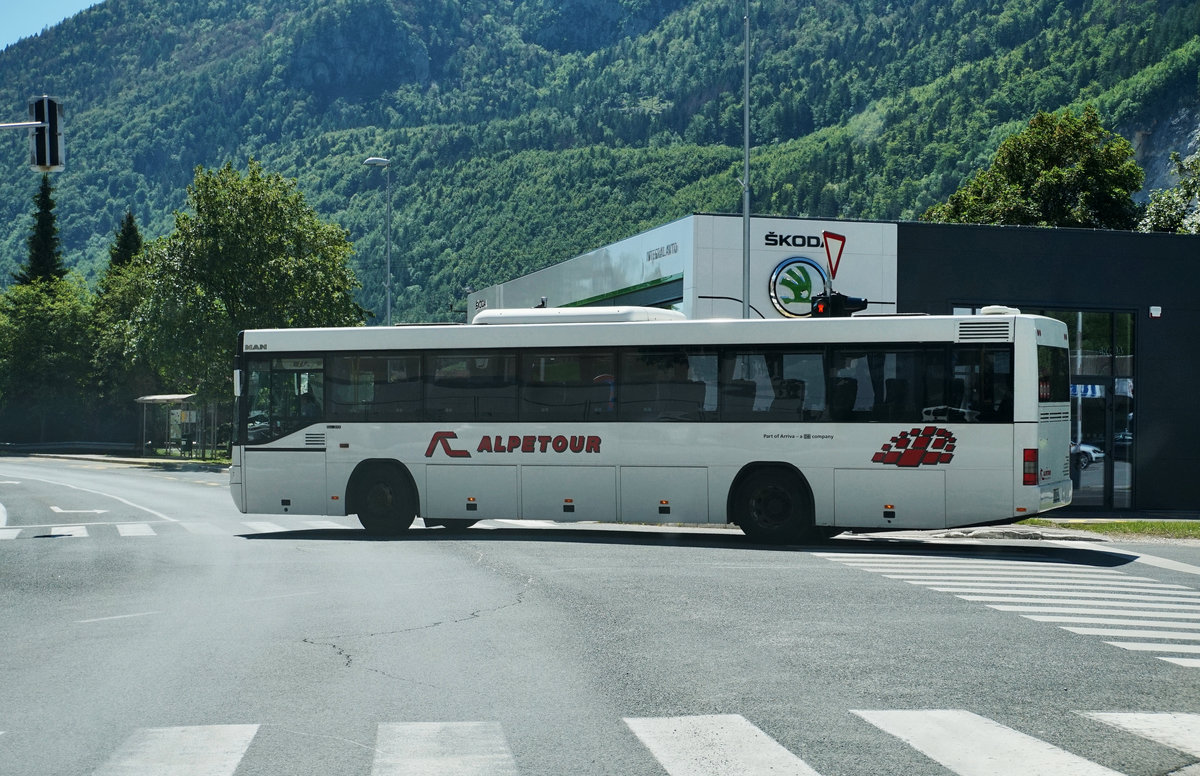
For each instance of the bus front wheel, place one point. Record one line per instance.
(773, 505)
(384, 502)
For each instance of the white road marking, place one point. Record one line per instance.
(203, 529)
(325, 524)
(61, 511)
(135, 529)
(971, 745)
(1077, 609)
(1121, 633)
(1056, 618)
(715, 745)
(1178, 731)
(1186, 662)
(126, 502)
(1077, 602)
(1149, 646)
(259, 526)
(208, 750)
(442, 749)
(9, 533)
(74, 531)
(1183, 598)
(1056, 582)
(118, 617)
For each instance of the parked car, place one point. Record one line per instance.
(1088, 454)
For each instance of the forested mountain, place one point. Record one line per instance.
(522, 132)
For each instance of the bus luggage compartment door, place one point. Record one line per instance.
(664, 494)
(879, 498)
(569, 493)
(470, 492)
(299, 477)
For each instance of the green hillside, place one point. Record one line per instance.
(523, 132)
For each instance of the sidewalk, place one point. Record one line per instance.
(161, 462)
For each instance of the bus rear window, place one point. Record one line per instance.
(1054, 384)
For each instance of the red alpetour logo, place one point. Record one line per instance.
(514, 443)
(926, 446)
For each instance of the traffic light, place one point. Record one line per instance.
(836, 305)
(46, 153)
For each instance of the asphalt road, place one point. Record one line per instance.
(168, 633)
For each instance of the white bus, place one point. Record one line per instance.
(791, 429)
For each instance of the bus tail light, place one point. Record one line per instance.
(1029, 469)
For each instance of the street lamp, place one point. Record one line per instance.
(379, 161)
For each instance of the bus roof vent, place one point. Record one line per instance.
(577, 315)
(999, 309)
(999, 330)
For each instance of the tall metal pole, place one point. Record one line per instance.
(746, 167)
(388, 281)
(386, 164)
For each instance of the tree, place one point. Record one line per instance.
(1176, 209)
(45, 358)
(127, 242)
(45, 258)
(1061, 170)
(251, 254)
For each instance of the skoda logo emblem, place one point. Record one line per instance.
(794, 283)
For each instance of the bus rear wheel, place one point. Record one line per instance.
(384, 502)
(773, 505)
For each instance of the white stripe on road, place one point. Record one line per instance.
(715, 745)
(135, 529)
(9, 533)
(209, 750)
(1149, 646)
(1182, 598)
(118, 617)
(971, 745)
(203, 529)
(1083, 610)
(1121, 633)
(1074, 602)
(1186, 662)
(442, 749)
(1085, 583)
(74, 531)
(1055, 618)
(259, 526)
(1178, 731)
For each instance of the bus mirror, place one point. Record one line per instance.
(237, 383)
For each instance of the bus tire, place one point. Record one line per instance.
(384, 501)
(773, 504)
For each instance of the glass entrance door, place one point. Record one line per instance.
(1101, 455)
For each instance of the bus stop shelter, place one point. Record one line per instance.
(172, 403)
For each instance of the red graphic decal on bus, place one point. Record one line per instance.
(528, 443)
(443, 438)
(927, 446)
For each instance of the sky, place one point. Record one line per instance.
(22, 18)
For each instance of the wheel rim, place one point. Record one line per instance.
(771, 507)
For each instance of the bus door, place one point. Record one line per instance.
(283, 458)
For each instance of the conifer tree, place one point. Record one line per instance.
(45, 257)
(127, 242)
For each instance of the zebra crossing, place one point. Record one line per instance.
(961, 741)
(230, 528)
(1134, 613)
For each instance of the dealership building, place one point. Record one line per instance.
(1131, 302)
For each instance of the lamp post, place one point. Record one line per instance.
(379, 161)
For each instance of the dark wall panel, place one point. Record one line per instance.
(940, 265)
